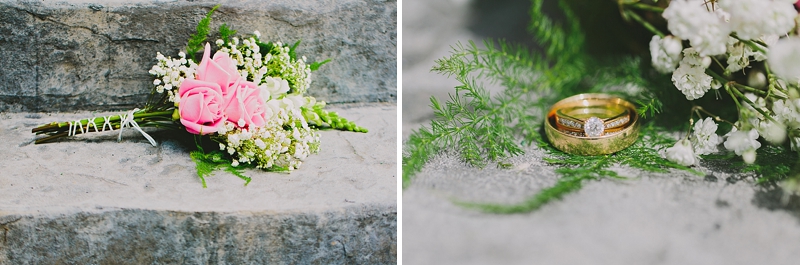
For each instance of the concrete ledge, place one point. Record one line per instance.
(86, 55)
(94, 200)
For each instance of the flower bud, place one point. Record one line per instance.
(176, 115)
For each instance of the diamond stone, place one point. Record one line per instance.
(594, 127)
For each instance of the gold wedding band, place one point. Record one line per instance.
(604, 118)
(592, 124)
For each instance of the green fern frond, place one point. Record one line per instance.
(206, 163)
(199, 37)
(225, 33)
(485, 127)
(564, 42)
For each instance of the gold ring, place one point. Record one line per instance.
(611, 139)
(592, 120)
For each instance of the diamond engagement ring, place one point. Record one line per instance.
(593, 121)
(592, 124)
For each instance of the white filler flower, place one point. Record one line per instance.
(690, 77)
(743, 143)
(784, 59)
(751, 19)
(681, 153)
(665, 53)
(705, 139)
(698, 22)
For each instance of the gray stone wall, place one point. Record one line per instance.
(84, 55)
(356, 235)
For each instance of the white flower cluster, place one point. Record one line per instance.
(709, 25)
(170, 73)
(665, 53)
(275, 63)
(691, 78)
(704, 140)
(272, 146)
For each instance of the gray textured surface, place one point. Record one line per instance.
(93, 199)
(673, 218)
(94, 55)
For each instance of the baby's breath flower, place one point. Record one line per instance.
(681, 153)
(743, 143)
(698, 22)
(691, 81)
(704, 138)
(665, 53)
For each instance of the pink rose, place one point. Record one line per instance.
(247, 107)
(221, 70)
(201, 106)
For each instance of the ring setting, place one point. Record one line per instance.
(592, 124)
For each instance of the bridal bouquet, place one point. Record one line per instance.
(248, 98)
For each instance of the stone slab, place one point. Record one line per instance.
(674, 218)
(93, 199)
(94, 55)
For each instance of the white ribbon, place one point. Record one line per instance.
(128, 119)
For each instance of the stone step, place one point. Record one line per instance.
(93, 200)
(95, 55)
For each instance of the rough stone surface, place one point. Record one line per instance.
(94, 55)
(674, 218)
(92, 199)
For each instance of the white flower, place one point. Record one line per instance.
(743, 143)
(260, 143)
(665, 53)
(681, 153)
(738, 55)
(786, 111)
(258, 34)
(784, 59)
(705, 139)
(276, 86)
(752, 18)
(691, 78)
(773, 132)
(693, 58)
(698, 22)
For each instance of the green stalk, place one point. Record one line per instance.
(645, 7)
(750, 43)
(644, 23)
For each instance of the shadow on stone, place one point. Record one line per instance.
(505, 19)
(773, 199)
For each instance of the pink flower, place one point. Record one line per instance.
(247, 107)
(201, 106)
(240, 102)
(220, 70)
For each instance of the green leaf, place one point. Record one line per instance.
(293, 50)
(315, 65)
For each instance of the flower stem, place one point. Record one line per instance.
(644, 23)
(645, 7)
(750, 43)
(57, 130)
